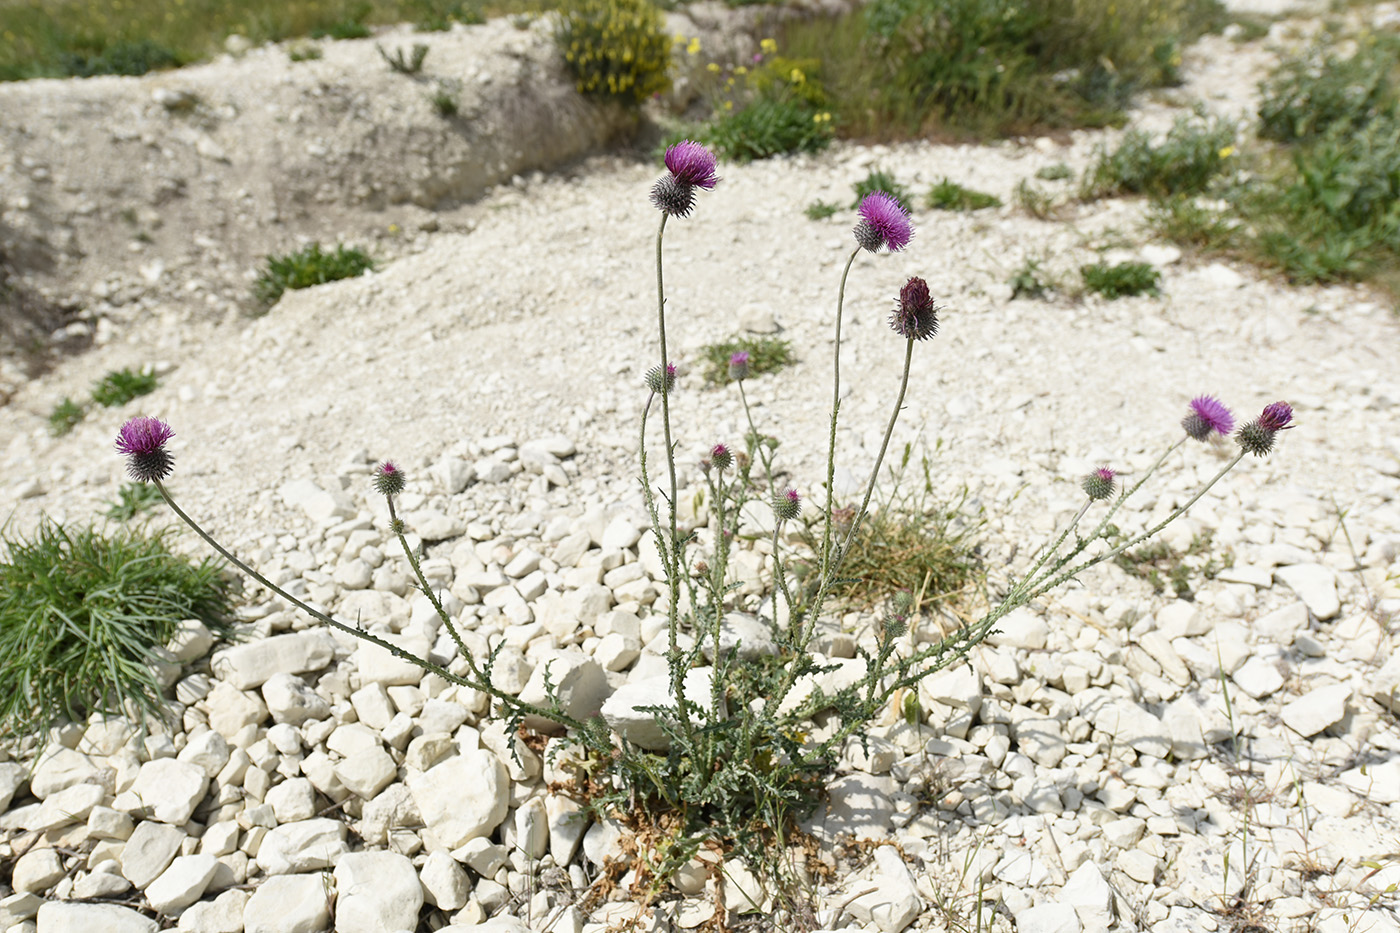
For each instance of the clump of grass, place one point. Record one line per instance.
(307, 267)
(1029, 281)
(410, 65)
(83, 616)
(1320, 93)
(1057, 172)
(66, 416)
(820, 210)
(304, 52)
(880, 180)
(121, 58)
(132, 500)
(1162, 566)
(1193, 153)
(121, 386)
(446, 100)
(948, 195)
(1122, 280)
(1034, 200)
(767, 128)
(1186, 220)
(766, 355)
(439, 15)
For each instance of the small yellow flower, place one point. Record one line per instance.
(741, 70)
(712, 68)
(768, 47)
(393, 228)
(694, 47)
(729, 105)
(1227, 152)
(797, 77)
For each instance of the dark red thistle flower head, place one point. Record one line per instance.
(1277, 416)
(143, 440)
(915, 317)
(1207, 414)
(883, 222)
(389, 479)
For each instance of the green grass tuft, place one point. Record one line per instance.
(767, 128)
(1193, 153)
(766, 355)
(82, 614)
(1123, 280)
(1029, 281)
(820, 210)
(308, 267)
(948, 195)
(881, 180)
(66, 416)
(132, 500)
(121, 386)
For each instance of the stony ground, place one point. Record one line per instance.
(1095, 777)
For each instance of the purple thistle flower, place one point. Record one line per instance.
(1257, 437)
(143, 441)
(787, 505)
(389, 479)
(721, 457)
(1207, 414)
(657, 384)
(692, 164)
(1099, 484)
(883, 222)
(915, 316)
(739, 365)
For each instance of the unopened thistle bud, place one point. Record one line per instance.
(388, 479)
(1099, 484)
(1207, 414)
(1257, 437)
(883, 222)
(655, 382)
(787, 505)
(143, 441)
(739, 365)
(721, 457)
(915, 315)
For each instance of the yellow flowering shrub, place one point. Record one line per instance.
(615, 48)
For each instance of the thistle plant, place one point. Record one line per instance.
(749, 754)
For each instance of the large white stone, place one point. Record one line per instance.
(165, 789)
(1317, 709)
(461, 798)
(12, 777)
(367, 772)
(378, 665)
(858, 805)
(1020, 628)
(1088, 892)
(69, 805)
(183, 883)
(567, 824)
(1048, 918)
(1383, 686)
(208, 750)
(292, 801)
(580, 687)
(1128, 723)
(626, 710)
(290, 700)
(393, 809)
(445, 885)
(149, 850)
(289, 904)
(748, 633)
(376, 892)
(322, 506)
(896, 902)
(36, 871)
(65, 917)
(1315, 585)
(61, 767)
(309, 845)
(249, 665)
(224, 914)
(231, 709)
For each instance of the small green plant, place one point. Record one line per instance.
(410, 65)
(351, 24)
(66, 416)
(132, 500)
(304, 52)
(122, 58)
(1122, 280)
(1029, 281)
(439, 15)
(1193, 153)
(1320, 92)
(1184, 219)
(1035, 200)
(766, 355)
(82, 617)
(616, 49)
(948, 195)
(1057, 172)
(767, 128)
(820, 210)
(446, 99)
(308, 267)
(121, 386)
(880, 180)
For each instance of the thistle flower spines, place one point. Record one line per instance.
(915, 315)
(142, 439)
(1208, 414)
(739, 365)
(721, 457)
(656, 383)
(389, 480)
(1099, 484)
(689, 166)
(787, 505)
(1258, 436)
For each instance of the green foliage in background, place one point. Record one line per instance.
(948, 195)
(121, 386)
(880, 180)
(307, 267)
(766, 355)
(1122, 280)
(776, 106)
(616, 49)
(132, 500)
(1191, 155)
(82, 616)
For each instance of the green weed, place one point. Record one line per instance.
(304, 52)
(121, 386)
(66, 416)
(767, 128)
(82, 617)
(1029, 281)
(1162, 566)
(948, 195)
(1057, 172)
(766, 355)
(1193, 153)
(132, 500)
(1319, 92)
(881, 180)
(1122, 280)
(1184, 219)
(820, 210)
(308, 267)
(1035, 200)
(410, 65)
(446, 100)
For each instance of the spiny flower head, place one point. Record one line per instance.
(915, 317)
(655, 381)
(689, 166)
(1099, 484)
(1207, 414)
(721, 457)
(883, 222)
(389, 479)
(787, 505)
(1257, 437)
(739, 365)
(143, 441)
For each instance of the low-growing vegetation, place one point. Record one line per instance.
(66, 416)
(1122, 280)
(121, 386)
(132, 499)
(766, 355)
(1193, 153)
(948, 195)
(1163, 566)
(307, 267)
(83, 615)
(616, 49)
(410, 64)
(880, 180)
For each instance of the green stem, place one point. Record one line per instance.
(759, 447)
(835, 408)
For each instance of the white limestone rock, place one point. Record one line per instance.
(291, 701)
(70, 805)
(580, 687)
(292, 801)
(208, 750)
(1383, 686)
(66, 917)
(857, 805)
(1048, 918)
(367, 772)
(461, 798)
(249, 665)
(445, 885)
(61, 767)
(223, 914)
(1315, 585)
(1316, 710)
(896, 903)
(309, 845)
(1088, 892)
(149, 851)
(288, 904)
(183, 883)
(1020, 628)
(376, 892)
(36, 871)
(625, 711)
(231, 710)
(166, 790)
(378, 665)
(191, 641)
